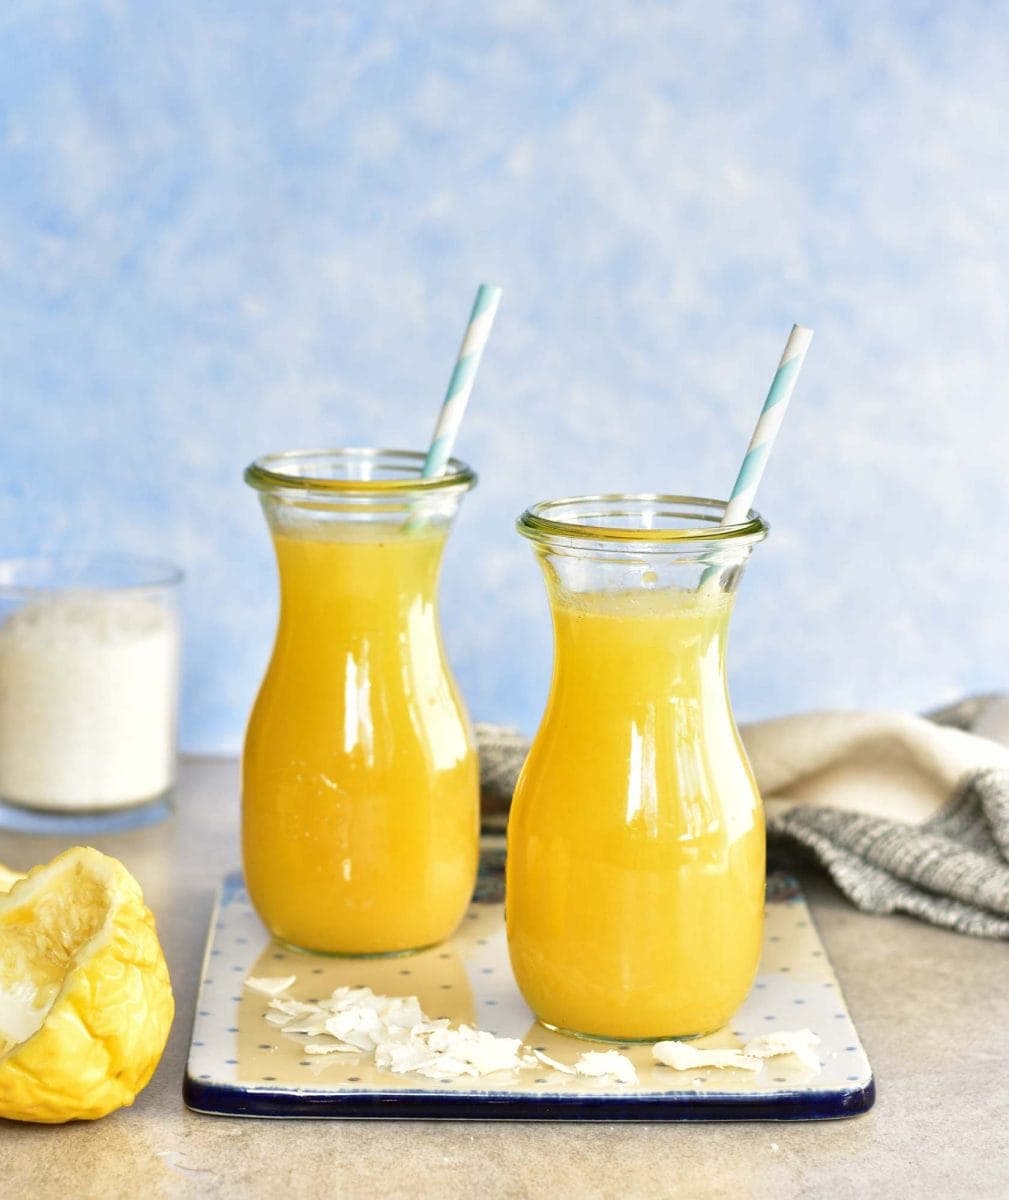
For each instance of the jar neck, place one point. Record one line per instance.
(326, 491)
(640, 543)
(641, 591)
(388, 521)
(641, 578)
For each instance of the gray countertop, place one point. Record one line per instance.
(932, 1008)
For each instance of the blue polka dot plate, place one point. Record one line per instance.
(241, 1065)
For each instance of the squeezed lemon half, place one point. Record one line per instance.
(85, 998)
(8, 878)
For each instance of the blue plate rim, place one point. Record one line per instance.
(218, 1099)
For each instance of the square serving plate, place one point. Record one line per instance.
(240, 1065)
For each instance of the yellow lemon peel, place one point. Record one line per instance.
(85, 999)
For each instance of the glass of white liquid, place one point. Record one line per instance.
(89, 683)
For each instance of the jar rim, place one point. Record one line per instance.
(537, 523)
(37, 574)
(286, 471)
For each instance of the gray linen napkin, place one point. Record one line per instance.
(907, 814)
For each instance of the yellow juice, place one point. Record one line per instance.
(360, 807)
(635, 884)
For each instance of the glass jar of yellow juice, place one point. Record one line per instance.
(360, 799)
(635, 869)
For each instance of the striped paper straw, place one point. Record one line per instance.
(488, 297)
(768, 424)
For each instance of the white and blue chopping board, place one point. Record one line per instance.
(241, 1065)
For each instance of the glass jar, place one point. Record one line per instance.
(360, 800)
(635, 869)
(89, 680)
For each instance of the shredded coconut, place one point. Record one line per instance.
(681, 1056)
(395, 1030)
(600, 1063)
(553, 1064)
(328, 1048)
(800, 1043)
(88, 692)
(404, 1040)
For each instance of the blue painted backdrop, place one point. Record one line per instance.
(243, 225)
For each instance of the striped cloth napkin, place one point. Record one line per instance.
(908, 814)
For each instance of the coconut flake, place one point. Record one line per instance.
(600, 1063)
(402, 1012)
(552, 1063)
(683, 1057)
(327, 1048)
(799, 1042)
(403, 1057)
(484, 1052)
(445, 1068)
(293, 1008)
(358, 1026)
(311, 1027)
(270, 986)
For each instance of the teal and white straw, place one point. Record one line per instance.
(768, 424)
(488, 297)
